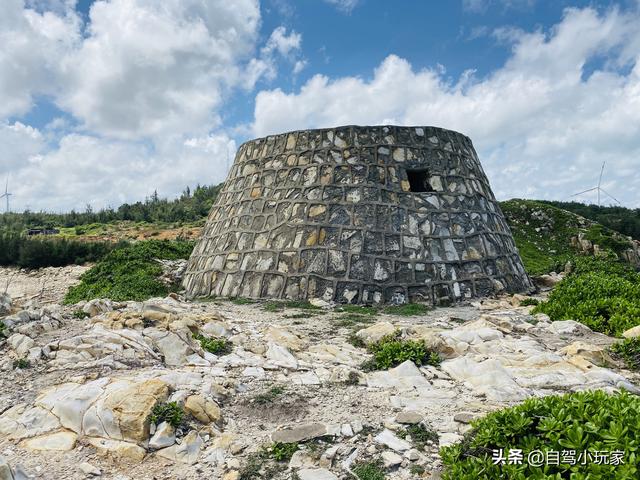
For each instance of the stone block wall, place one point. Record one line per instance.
(357, 215)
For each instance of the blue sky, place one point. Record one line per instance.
(104, 102)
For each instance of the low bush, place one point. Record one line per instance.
(604, 295)
(570, 427)
(269, 396)
(217, 346)
(169, 412)
(629, 351)
(420, 434)
(369, 470)
(27, 252)
(390, 351)
(408, 309)
(527, 302)
(129, 273)
(282, 452)
(21, 363)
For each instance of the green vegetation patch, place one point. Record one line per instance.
(629, 351)
(169, 412)
(217, 346)
(270, 395)
(277, 306)
(583, 422)
(601, 294)
(420, 435)
(390, 351)
(543, 232)
(282, 452)
(369, 470)
(620, 219)
(4, 331)
(408, 309)
(27, 252)
(528, 302)
(129, 273)
(21, 364)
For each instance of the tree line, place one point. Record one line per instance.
(189, 207)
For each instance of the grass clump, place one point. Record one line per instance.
(601, 294)
(80, 314)
(21, 363)
(282, 452)
(529, 302)
(169, 412)
(420, 434)
(4, 331)
(583, 421)
(408, 309)
(369, 470)
(391, 351)
(129, 273)
(629, 351)
(269, 396)
(358, 309)
(242, 301)
(217, 346)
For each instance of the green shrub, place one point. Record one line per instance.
(4, 331)
(217, 346)
(390, 351)
(629, 351)
(606, 303)
(408, 309)
(270, 395)
(527, 302)
(282, 452)
(420, 434)
(358, 310)
(583, 421)
(21, 363)
(169, 412)
(80, 314)
(369, 470)
(129, 273)
(28, 252)
(242, 301)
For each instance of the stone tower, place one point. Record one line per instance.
(357, 215)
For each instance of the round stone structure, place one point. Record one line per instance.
(381, 214)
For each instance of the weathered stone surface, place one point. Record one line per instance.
(203, 409)
(118, 450)
(60, 441)
(389, 439)
(381, 215)
(164, 436)
(299, 433)
(187, 452)
(632, 332)
(316, 474)
(375, 332)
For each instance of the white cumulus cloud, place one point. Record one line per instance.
(565, 101)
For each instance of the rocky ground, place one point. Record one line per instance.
(82, 407)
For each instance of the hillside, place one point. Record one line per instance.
(548, 236)
(620, 219)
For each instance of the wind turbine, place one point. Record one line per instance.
(598, 189)
(6, 194)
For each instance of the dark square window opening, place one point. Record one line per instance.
(419, 180)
